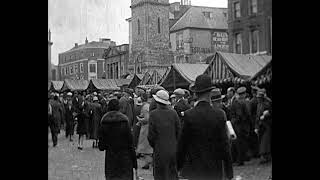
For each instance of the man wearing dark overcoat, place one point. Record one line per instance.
(263, 125)
(181, 104)
(240, 119)
(203, 144)
(164, 128)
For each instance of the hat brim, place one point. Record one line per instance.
(161, 100)
(193, 89)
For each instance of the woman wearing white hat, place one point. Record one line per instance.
(164, 128)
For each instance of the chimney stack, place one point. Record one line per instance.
(76, 45)
(86, 42)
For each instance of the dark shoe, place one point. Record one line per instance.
(146, 166)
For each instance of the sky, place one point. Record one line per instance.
(71, 21)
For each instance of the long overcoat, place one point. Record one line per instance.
(264, 126)
(69, 110)
(203, 146)
(116, 139)
(96, 118)
(164, 128)
(127, 109)
(57, 113)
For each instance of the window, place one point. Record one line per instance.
(64, 70)
(67, 70)
(138, 26)
(237, 10)
(179, 37)
(71, 69)
(254, 41)
(92, 68)
(81, 67)
(158, 25)
(253, 6)
(75, 68)
(238, 43)
(103, 67)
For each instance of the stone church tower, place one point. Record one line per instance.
(150, 35)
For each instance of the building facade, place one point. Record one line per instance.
(85, 61)
(250, 26)
(150, 35)
(116, 61)
(49, 56)
(199, 32)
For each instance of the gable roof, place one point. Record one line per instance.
(194, 18)
(182, 75)
(242, 65)
(56, 85)
(121, 82)
(190, 71)
(75, 85)
(104, 84)
(263, 71)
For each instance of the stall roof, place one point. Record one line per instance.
(105, 84)
(182, 75)
(190, 71)
(74, 85)
(263, 70)
(145, 78)
(57, 85)
(244, 65)
(121, 82)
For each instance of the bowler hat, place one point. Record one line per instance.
(203, 83)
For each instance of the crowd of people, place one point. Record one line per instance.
(182, 135)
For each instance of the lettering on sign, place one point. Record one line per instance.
(220, 41)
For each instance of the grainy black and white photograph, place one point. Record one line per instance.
(159, 89)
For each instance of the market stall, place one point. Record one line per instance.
(182, 75)
(75, 85)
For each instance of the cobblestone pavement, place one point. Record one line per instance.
(66, 162)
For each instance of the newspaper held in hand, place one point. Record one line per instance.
(231, 134)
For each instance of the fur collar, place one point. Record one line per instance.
(114, 116)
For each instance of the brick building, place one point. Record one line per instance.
(49, 56)
(250, 26)
(149, 35)
(85, 61)
(198, 33)
(117, 58)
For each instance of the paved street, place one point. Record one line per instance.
(66, 162)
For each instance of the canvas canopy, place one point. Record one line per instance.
(135, 80)
(182, 75)
(103, 84)
(231, 65)
(56, 85)
(75, 85)
(156, 76)
(145, 78)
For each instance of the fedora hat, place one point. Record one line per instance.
(162, 97)
(203, 83)
(216, 94)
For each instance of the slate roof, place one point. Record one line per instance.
(194, 18)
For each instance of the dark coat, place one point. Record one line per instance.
(69, 119)
(253, 103)
(181, 106)
(240, 117)
(164, 127)
(116, 139)
(264, 126)
(203, 145)
(127, 109)
(153, 105)
(96, 118)
(83, 118)
(57, 113)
